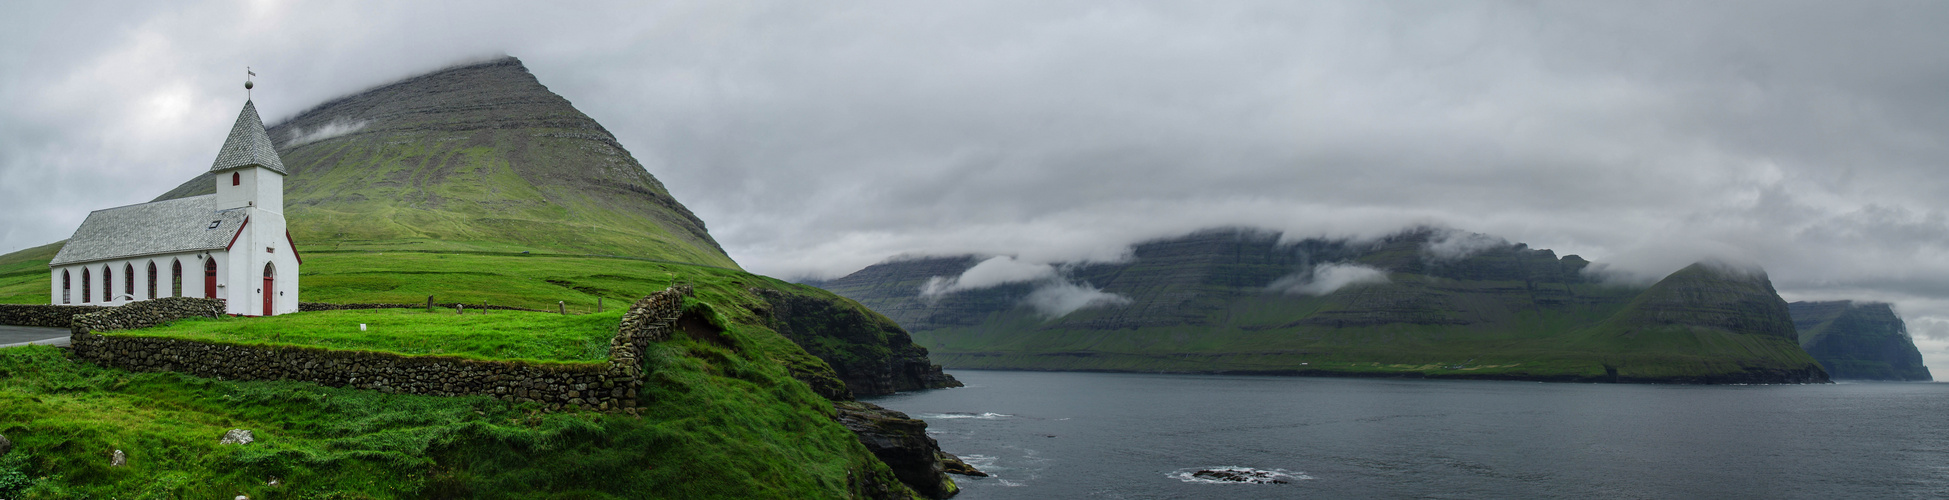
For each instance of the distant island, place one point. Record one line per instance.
(1423, 302)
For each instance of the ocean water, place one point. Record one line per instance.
(1138, 436)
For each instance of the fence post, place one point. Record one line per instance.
(598, 304)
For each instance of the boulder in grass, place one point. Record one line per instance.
(237, 436)
(5, 445)
(118, 459)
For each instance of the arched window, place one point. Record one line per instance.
(152, 279)
(175, 278)
(87, 287)
(128, 280)
(108, 284)
(236, 179)
(67, 283)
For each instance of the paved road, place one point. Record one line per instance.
(11, 336)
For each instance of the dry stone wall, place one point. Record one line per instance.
(611, 386)
(47, 315)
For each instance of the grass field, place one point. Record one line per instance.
(495, 335)
(724, 419)
(720, 423)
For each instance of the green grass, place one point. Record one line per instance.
(24, 276)
(724, 420)
(725, 417)
(496, 335)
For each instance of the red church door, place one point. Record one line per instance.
(210, 278)
(269, 279)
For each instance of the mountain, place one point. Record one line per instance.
(1858, 340)
(1423, 302)
(476, 185)
(477, 157)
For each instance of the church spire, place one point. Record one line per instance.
(248, 145)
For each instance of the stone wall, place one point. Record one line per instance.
(52, 316)
(145, 313)
(610, 386)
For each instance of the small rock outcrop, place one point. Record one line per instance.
(237, 436)
(953, 465)
(118, 459)
(872, 354)
(902, 443)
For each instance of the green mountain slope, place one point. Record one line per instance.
(1858, 340)
(1450, 306)
(476, 185)
(23, 274)
(477, 157)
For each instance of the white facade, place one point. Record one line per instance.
(231, 245)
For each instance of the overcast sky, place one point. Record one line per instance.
(815, 138)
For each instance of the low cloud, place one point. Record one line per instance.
(1058, 298)
(1929, 327)
(1327, 278)
(999, 270)
(1054, 296)
(335, 128)
(1453, 244)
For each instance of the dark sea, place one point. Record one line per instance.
(1097, 435)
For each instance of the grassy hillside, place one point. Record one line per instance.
(474, 158)
(23, 274)
(720, 423)
(729, 417)
(1210, 302)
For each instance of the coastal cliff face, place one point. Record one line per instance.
(1858, 340)
(872, 355)
(1726, 319)
(1427, 303)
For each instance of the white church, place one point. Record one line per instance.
(231, 245)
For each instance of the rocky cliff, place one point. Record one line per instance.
(1423, 302)
(1858, 340)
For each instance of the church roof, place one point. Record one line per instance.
(169, 226)
(248, 144)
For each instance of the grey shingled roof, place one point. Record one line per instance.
(179, 225)
(248, 144)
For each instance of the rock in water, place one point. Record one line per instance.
(1239, 476)
(237, 436)
(953, 465)
(902, 443)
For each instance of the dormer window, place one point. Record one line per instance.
(236, 178)
(215, 223)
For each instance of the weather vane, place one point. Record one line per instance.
(247, 85)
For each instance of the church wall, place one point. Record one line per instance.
(241, 270)
(268, 190)
(192, 279)
(239, 195)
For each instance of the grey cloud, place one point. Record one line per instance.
(815, 139)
